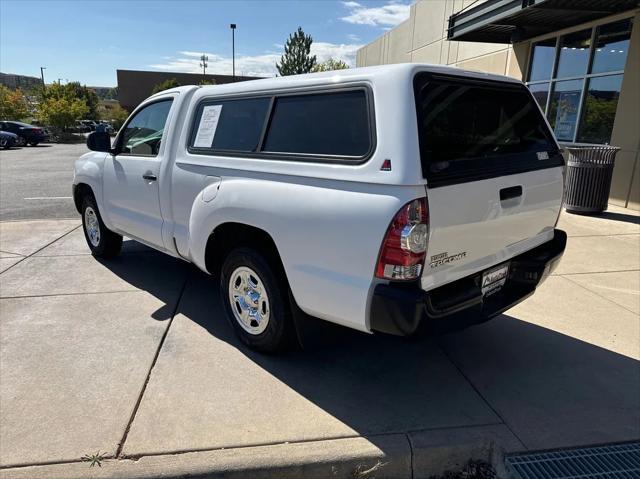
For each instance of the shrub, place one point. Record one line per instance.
(13, 104)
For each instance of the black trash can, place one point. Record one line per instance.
(588, 181)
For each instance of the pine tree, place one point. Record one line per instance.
(297, 58)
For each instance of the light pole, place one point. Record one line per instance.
(203, 63)
(42, 69)
(233, 50)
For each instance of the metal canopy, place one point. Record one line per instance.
(506, 21)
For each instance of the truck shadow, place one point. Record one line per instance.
(551, 389)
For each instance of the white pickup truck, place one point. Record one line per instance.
(383, 199)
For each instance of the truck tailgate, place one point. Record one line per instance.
(472, 229)
(494, 173)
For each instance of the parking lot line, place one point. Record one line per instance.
(50, 198)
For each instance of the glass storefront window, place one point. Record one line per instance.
(611, 47)
(563, 108)
(577, 84)
(542, 57)
(574, 54)
(599, 110)
(540, 93)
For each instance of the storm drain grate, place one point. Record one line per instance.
(619, 461)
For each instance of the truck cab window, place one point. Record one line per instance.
(143, 133)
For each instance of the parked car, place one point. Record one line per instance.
(80, 127)
(7, 139)
(89, 124)
(27, 134)
(384, 199)
(106, 126)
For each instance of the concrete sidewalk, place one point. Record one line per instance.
(132, 358)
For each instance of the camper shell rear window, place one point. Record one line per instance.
(477, 129)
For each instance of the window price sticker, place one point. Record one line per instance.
(208, 125)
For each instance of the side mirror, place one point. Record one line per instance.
(99, 141)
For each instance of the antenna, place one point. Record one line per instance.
(203, 63)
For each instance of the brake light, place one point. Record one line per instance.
(404, 247)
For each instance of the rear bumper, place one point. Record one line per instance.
(402, 309)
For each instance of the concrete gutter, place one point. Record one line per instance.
(393, 456)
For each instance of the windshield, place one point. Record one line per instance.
(468, 127)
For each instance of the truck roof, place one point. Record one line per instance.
(401, 72)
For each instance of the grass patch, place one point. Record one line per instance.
(473, 470)
(93, 459)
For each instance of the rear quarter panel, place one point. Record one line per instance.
(328, 235)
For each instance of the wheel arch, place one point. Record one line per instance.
(230, 235)
(79, 192)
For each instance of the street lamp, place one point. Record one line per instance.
(233, 50)
(42, 69)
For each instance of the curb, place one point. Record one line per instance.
(445, 450)
(394, 456)
(389, 456)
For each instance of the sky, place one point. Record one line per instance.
(88, 40)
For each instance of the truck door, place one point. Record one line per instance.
(131, 191)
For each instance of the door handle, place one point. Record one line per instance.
(511, 192)
(149, 177)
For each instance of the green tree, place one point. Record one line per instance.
(90, 97)
(330, 65)
(208, 82)
(114, 114)
(112, 94)
(74, 91)
(61, 112)
(13, 104)
(165, 85)
(297, 56)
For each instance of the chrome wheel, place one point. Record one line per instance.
(92, 226)
(249, 300)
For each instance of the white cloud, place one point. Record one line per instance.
(388, 15)
(253, 65)
(345, 52)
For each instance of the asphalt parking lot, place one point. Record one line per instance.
(133, 358)
(35, 182)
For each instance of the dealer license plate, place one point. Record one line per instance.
(494, 279)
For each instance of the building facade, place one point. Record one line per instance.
(134, 86)
(581, 60)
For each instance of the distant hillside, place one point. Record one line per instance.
(106, 93)
(23, 82)
(27, 83)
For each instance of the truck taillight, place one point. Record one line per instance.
(405, 245)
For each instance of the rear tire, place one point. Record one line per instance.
(102, 242)
(256, 301)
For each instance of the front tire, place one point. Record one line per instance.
(34, 143)
(102, 242)
(21, 141)
(255, 298)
